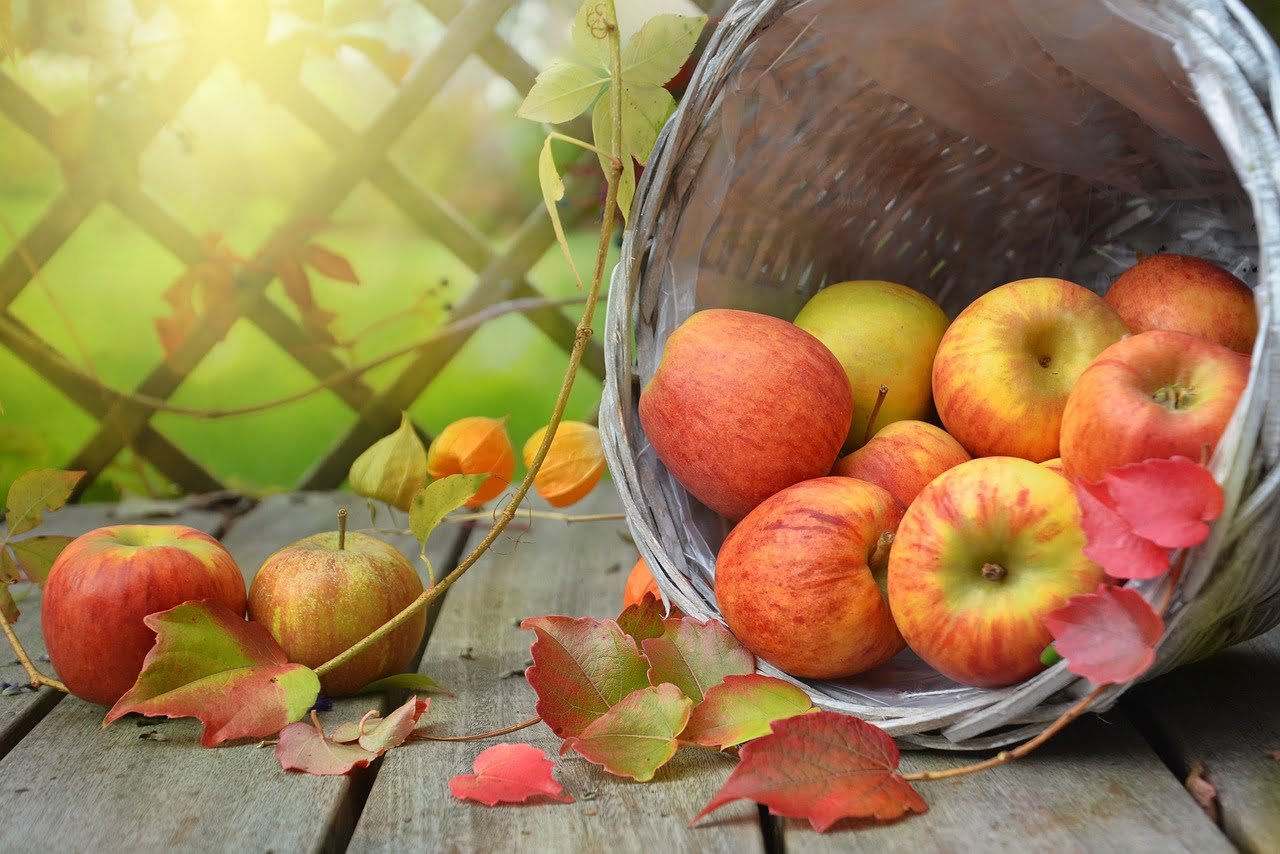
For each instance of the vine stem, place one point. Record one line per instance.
(480, 736)
(37, 678)
(1076, 710)
(580, 338)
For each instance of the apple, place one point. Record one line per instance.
(103, 584)
(743, 405)
(800, 580)
(903, 457)
(1179, 293)
(883, 334)
(983, 554)
(1155, 394)
(324, 593)
(1006, 365)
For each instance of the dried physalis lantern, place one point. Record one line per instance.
(393, 469)
(474, 446)
(574, 463)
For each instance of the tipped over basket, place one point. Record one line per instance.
(955, 145)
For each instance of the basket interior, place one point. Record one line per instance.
(951, 146)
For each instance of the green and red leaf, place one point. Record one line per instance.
(742, 708)
(823, 767)
(638, 735)
(209, 663)
(509, 774)
(1106, 637)
(695, 656)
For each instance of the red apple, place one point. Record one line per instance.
(903, 458)
(1006, 365)
(1156, 394)
(107, 580)
(743, 405)
(982, 555)
(1179, 293)
(800, 580)
(322, 594)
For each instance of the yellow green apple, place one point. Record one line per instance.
(903, 457)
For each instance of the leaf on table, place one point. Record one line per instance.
(742, 708)
(591, 33)
(564, 90)
(1108, 636)
(35, 555)
(392, 730)
(37, 491)
(638, 735)
(405, 682)
(644, 619)
(438, 499)
(303, 747)
(658, 51)
(328, 263)
(209, 663)
(581, 669)
(1203, 792)
(695, 655)
(823, 767)
(1109, 539)
(1166, 501)
(509, 774)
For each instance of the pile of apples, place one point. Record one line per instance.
(955, 535)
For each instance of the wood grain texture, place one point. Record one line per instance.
(148, 785)
(479, 651)
(1223, 712)
(20, 712)
(1096, 787)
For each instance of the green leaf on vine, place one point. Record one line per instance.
(211, 664)
(742, 708)
(439, 498)
(564, 90)
(34, 492)
(35, 555)
(553, 192)
(638, 735)
(658, 52)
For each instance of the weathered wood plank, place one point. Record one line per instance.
(479, 652)
(1096, 787)
(1223, 711)
(71, 785)
(20, 712)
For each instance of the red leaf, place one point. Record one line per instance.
(211, 664)
(1166, 501)
(303, 747)
(1108, 636)
(329, 263)
(509, 774)
(581, 669)
(695, 656)
(824, 767)
(1110, 541)
(637, 736)
(395, 728)
(644, 619)
(742, 708)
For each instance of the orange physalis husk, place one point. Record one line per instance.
(574, 463)
(474, 445)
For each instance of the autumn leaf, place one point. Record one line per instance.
(742, 708)
(638, 735)
(35, 555)
(1168, 501)
(35, 492)
(392, 730)
(824, 767)
(1108, 636)
(303, 747)
(581, 669)
(643, 620)
(1110, 541)
(509, 774)
(694, 656)
(1204, 792)
(209, 663)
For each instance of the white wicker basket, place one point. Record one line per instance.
(955, 145)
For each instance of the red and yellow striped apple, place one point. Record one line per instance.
(800, 580)
(982, 555)
(324, 593)
(883, 334)
(743, 405)
(107, 580)
(1156, 394)
(1180, 293)
(1006, 365)
(903, 457)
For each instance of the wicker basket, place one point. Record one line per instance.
(955, 145)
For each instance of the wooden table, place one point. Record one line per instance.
(1108, 784)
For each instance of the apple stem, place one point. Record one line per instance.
(480, 736)
(35, 676)
(875, 410)
(993, 571)
(342, 529)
